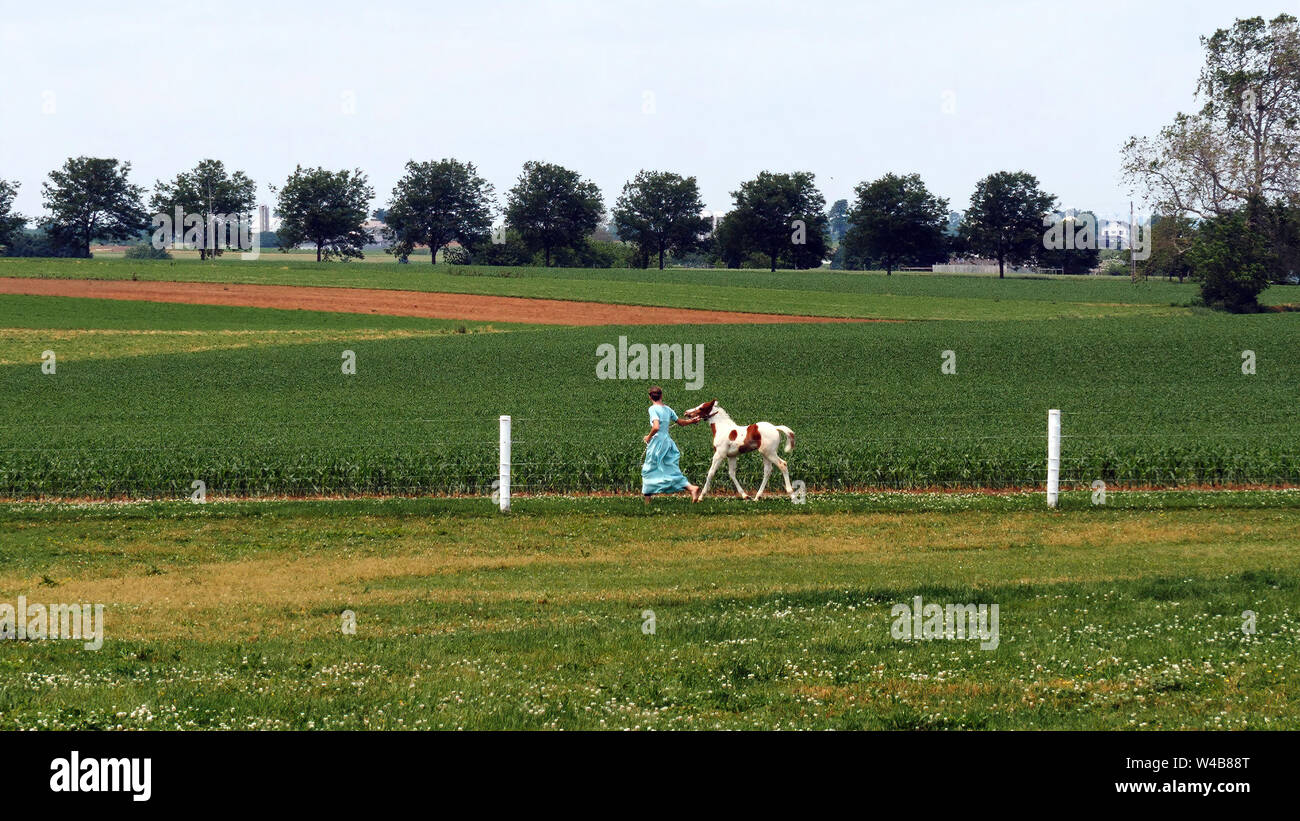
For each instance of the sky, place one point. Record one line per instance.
(715, 90)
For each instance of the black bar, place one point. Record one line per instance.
(329, 771)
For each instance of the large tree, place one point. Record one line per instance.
(327, 209)
(209, 191)
(553, 207)
(92, 198)
(1231, 261)
(11, 222)
(1243, 146)
(1005, 218)
(435, 203)
(1236, 161)
(659, 211)
(896, 220)
(782, 216)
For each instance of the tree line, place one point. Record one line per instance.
(551, 215)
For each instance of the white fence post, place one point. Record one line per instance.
(1053, 457)
(504, 478)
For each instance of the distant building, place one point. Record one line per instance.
(1113, 234)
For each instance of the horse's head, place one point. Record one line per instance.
(705, 411)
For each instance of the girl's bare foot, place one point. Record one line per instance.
(695, 492)
(646, 498)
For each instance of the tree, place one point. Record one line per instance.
(92, 198)
(1230, 261)
(896, 220)
(28, 243)
(210, 192)
(953, 234)
(1171, 238)
(506, 249)
(838, 221)
(1236, 158)
(1244, 143)
(1005, 218)
(146, 250)
(1080, 253)
(782, 216)
(326, 208)
(729, 241)
(435, 203)
(659, 211)
(1282, 227)
(552, 207)
(11, 222)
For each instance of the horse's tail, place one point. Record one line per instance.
(789, 434)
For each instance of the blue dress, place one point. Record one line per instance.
(661, 471)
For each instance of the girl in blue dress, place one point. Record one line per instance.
(661, 471)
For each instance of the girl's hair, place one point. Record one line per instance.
(656, 393)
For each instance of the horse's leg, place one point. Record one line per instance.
(713, 468)
(785, 471)
(767, 471)
(731, 468)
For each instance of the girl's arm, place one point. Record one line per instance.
(654, 428)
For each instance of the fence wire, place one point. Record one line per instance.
(456, 455)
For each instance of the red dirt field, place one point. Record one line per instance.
(394, 303)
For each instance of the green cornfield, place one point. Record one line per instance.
(1146, 401)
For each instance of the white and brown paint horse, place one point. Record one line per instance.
(730, 440)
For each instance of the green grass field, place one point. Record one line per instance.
(1122, 615)
(149, 398)
(770, 616)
